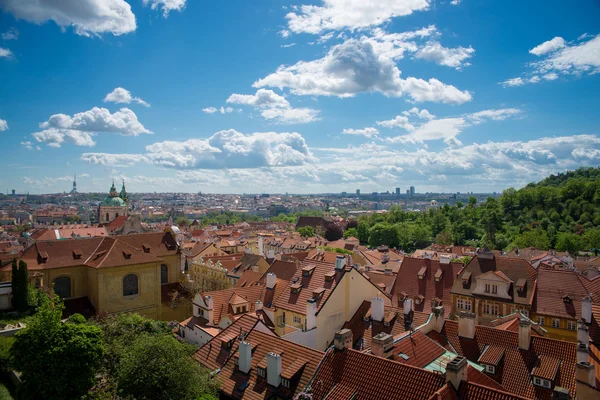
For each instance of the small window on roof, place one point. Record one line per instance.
(403, 356)
(285, 382)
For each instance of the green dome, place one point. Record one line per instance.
(113, 202)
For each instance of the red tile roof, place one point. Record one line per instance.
(408, 281)
(417, 350)
(552, 287)
(514, 371)
(350, 374)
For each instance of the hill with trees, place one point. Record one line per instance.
(560, 212)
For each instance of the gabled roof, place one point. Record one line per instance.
(514, 371)
(299, 364)
(350, 374)
(364, 330)
(512, 269)
(408, 282)
(284, 270)
(552, 287)
(161, 243)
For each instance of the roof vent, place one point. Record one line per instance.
(127, 255)
(146, 248)
(77, 254)
(43, 256)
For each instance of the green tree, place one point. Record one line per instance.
(421, 235)
(306, 231)
(444, 238)
(16, 297)
(472, 200)
(537, 238)
(23, 286)
(56, 360)
(491, 219)
(363, 231)
(592, 238)
(160, 367)
(351, 232)
(383, 233)
(569, 242)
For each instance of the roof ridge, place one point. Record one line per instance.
(95, 250)
(107, 252)
(497, 390)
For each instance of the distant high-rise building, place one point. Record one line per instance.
(407, 191)
(397, 191)
(13, 192)
(412, 190)
(74, 190)
(357, 192)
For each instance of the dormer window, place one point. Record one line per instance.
(146, 248)
(43, 257)
(422, 272)
(438, 275)
(127, 255)
(77, 254)
(285, 382)
(261, 372)
(490, 369)
(567, 300)
(308, 270)
(466, 278)
(329, 276)
(521, 283)
(295, 288)
(317, 293)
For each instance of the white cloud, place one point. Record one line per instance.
(11, 34)
(366, 132)
(354, 67)
(453, 142)
(513, 82)
(586, 154)
(423, 114)
(222, 110)
(284, 33)
(3, 125)
(290, 115)
(395, 45)
(559, 57)
(449, 57)
(353, 14)
(81, 127)
(285, 46)
(87, 17)
(166, 5)
(28, 145)
(120, 95)
(5, 53)
(224, 149)
(549, 46)
(443, 128)
(49, 181)
(399, 121)
(275, 107)
(263, 98)
(209, 110)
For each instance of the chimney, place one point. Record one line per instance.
(273, 369)
(456, 371)
(340, 262)
(377, 309)
(258, 306)
(583, 332)
(586, 309)
(408, 305)
(270, 254)
(438, 315)
(245, 357)
(466, 325)
(585, 373)
(388, 271)
(311, 314)
(271, 280)
(209, 306)
(261, 246)
(583, 353)
(382, 345)
(343, 339)
(561, 393)
(524, 334)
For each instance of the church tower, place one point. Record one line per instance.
(113, 205)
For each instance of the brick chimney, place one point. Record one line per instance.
(524, 334)
(343, 339)
(456, 371)
(311, 314)
(271, 280)
(466, 325)
(585, 372)
(377, 309)
(382, 345)
(273, 369)
(245, 357)
(586, 309)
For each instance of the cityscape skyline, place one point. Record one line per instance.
(306, 97)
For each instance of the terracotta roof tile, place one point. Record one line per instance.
(417, 350)
(552, 287)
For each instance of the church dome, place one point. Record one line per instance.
(113, 202)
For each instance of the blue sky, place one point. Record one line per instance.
(300, 97)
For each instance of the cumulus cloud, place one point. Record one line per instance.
(449, 57)
(86, 17)
(586, 154)
(120, 95)
(351, 15)
(354, 67)
(11, 34)
(166, 5)
(453, 142)
(446, 129)
(5, 53)
(224, 149)
(275, 107)
(549, 46)
(209, 110)
(80, 128)
(366, 132)
(3, 125)
(559, 57)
